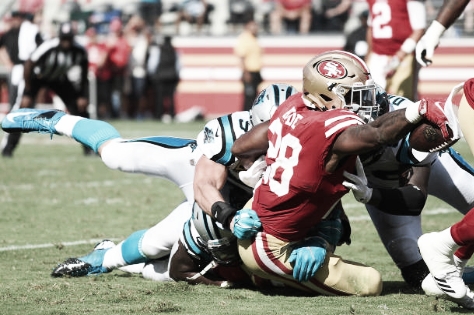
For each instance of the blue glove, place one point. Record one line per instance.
(246, 224)
(307, 257)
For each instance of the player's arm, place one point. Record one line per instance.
(408, 199)
(417, 18)
(450, 11)
(209, 178)
(251, 145)
(405, 200)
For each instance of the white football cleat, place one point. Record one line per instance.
(431, 289)
(437, 250)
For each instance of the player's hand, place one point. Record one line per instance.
(427, 44)
(251, 176)
(434, 112)
(307, 257)
(358, 183)
(245, 224)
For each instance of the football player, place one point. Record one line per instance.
(445, 251)
(398, 181)
(312, 139)
(177, 158)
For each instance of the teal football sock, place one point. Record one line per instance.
(93, 133)
(131, 248)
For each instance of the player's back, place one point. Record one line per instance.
(296, 191)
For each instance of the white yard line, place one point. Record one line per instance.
(94, 241)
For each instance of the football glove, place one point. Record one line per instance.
(391, 67)
(427, 44)
(246, 224)
(358, 183)
(307, 257)
(251, 176)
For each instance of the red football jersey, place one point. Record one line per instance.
(296, 191)
(390, 25)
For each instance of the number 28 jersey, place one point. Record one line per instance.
(296, 191)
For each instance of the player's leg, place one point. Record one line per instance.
(92, 133)
(400, 234)
(166, 157)
(377, 64)
(267, 257)
(405, 80)
(141, 246)
(456, 176)
(466, 113)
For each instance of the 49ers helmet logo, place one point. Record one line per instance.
(331, 69)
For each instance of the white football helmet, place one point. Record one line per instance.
(268, 100)
(339, 79)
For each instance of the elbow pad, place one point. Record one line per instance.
(406, 200)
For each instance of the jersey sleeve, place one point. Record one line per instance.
(216, 139)
(215, 143)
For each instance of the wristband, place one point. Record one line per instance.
(222, 212)
(408, 45)
(435, 30)
(412, 114)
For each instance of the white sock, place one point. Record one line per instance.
(113, 258)
(446, 243)
(66, 124)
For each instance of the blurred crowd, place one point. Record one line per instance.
(134, 65)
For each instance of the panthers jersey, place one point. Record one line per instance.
(384, 167)
(215, 142)
(296, 191)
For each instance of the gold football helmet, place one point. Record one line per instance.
(339, 79)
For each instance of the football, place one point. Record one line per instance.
(427, 137)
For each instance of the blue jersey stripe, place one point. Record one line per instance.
(461, 161)
(228, 140)
(189, 238)
(167, 142)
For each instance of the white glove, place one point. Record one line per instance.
(427, 44)
(358, 183)
(251, 176)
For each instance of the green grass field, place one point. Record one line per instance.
(56, 203)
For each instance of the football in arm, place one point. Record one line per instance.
(427, 137)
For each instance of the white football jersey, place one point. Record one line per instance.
(383, 168)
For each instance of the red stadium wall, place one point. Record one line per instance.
(211, 76)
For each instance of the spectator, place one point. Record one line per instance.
(150, 12)
(335, 14)
(137, 75)
(392, 43)
(356, 41)
(118, 54)
(240, 11)
(193, 12)
(166, 79)
(250, 53)
(291, 11)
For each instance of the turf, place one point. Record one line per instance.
(56, 203)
